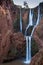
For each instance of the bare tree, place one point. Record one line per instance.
(25, 4)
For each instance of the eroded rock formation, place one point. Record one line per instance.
(7, 36)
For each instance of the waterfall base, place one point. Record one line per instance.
(27, 62)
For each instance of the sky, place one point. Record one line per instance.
(31, 3)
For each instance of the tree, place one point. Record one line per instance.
(25, 4)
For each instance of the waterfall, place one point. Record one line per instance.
(30, 21)
(38, 20)
(28, 38)
(30, 18)
(28, 49)
(20, 21)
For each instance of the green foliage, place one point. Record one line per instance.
(16, 25)
(21, 52)
(12, 51)
(34, 47)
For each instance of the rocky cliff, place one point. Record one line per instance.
(8, 38)
(38, 34)
(11, 39)
(38, 58)
(38, 37)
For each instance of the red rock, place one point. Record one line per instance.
(25, 16)
(18, 38)
(7, 37)
(38, 58)
(38, 37)
(38, 34)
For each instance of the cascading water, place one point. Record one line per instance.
(28, 49)
(38, 20)
(28, 38)
(30, 18)
(20, 21)
(30, 21)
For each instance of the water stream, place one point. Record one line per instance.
(30, 21)
(20, 21)
(28, 38)
(28, 43)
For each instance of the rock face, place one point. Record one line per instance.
(38, 37)
(25, 16)
(5, 33)
(38, 58)
(38, 34)
(19, 43)
(25, 20)
(7, 36)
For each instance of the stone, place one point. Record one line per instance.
(38, 58)
(38, 34)
(7, 36)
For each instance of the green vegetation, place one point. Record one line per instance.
(16, 24)
(34, 47)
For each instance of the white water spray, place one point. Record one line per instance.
(38, 20)
(28, 49)
(30, 21)
(28, 39)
